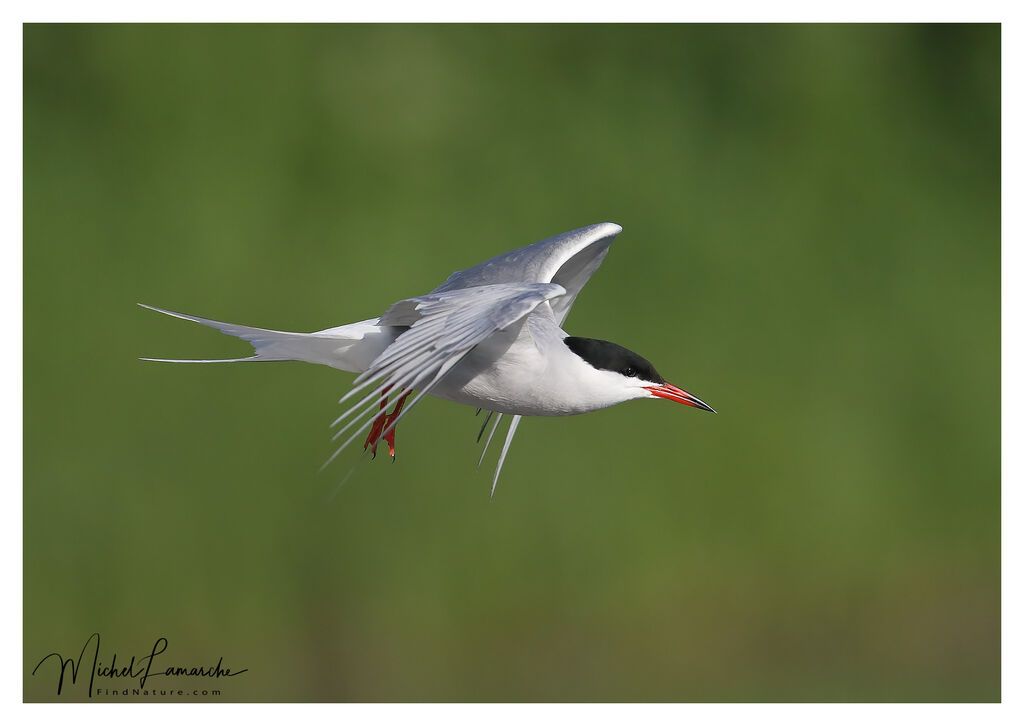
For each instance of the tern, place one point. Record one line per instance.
(489, 337)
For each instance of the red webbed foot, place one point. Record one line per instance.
(382, 423)
(389, 437)
(378, 425)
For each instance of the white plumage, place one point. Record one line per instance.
(489, 337)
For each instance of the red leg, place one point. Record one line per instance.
(378, 425)
(390, 435)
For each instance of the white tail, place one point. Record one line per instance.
(348, 347)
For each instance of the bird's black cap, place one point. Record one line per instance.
(612, 357)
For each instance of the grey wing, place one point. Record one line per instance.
(568, 259)
(443, 327)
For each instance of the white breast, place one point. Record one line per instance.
(532, 373)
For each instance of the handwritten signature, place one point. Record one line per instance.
(142, 668)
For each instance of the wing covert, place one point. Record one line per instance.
(567, 259)
(443, 328)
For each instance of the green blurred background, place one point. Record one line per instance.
(811, 244)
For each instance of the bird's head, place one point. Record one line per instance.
(626, 375)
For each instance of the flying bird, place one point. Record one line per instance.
(490, 337)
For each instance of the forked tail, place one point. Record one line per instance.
(348, 348)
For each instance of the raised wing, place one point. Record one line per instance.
(568, 259)
(443, 327)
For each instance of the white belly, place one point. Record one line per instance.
(526, 370)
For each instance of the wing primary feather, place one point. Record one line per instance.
(490, 436)
(424, 391)
(447, 366)
(373, 373)
(373, 395)
(341, 448)
(366, 399)
(461, 318)
(484, 427)
(504, 450)
(356, 387)
(454, 339)
(403, 357)
(372, 411)
(449, 326)
(407, 374)
(377, 373)
(410, 381)
(394, 374)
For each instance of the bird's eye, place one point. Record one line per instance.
(629, 372)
